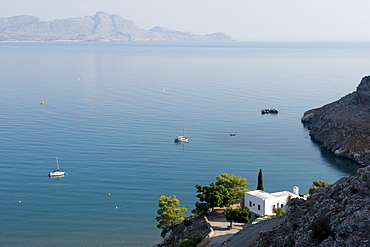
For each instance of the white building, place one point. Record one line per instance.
(262, 203)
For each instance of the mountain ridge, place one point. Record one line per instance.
(101, 27)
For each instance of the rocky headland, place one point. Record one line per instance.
(334, 216)
(344, 125)
(191, 226)
(101, 27)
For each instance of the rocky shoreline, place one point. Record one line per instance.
(192, 225)
(344, 125)
(334, 216)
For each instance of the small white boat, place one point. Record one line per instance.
(181, 138)
(56, 172)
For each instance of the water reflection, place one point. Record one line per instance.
(180, 143)
(345, 165)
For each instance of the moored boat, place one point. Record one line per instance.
(181, 138)
(56, 172)
(267, 111)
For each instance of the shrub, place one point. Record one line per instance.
(197, 238)
(317, 184)
(279, 211)
(187, 243)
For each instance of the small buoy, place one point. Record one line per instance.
(42, 103)
(108, 194)
(163, 90)
(116, 207)
(19, 201)
(78, 78)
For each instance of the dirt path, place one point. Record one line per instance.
(247, 236)
(240, 235)
(221, 229)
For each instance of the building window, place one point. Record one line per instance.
(250, 203)
(254, 204)
(273, 206)
(282, 205)
(259, 207)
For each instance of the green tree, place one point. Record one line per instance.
(317, 184)
(240, 215)
(201, 208)
(279, 211)
(237, 184)
(215, 195)
(229, 215)
(170, 214)
(260, 181)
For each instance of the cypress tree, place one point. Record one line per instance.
(260, 181)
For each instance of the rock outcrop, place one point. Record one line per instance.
(334, 216)
(344, 125)
(100, 27)
(192, 225)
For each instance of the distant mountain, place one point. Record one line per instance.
(101, 27)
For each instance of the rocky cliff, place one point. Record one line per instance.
(334, 216)
(192, 225)
(100, 27)
(344, 125)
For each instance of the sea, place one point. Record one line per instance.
(110, 114)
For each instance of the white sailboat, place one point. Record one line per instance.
(181, 138)
(56, 172)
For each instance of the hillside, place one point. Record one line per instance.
(344, 125)
(100, 27)
(334, 216)
(337, 215)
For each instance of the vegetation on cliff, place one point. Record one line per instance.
(170, 214)
(317, 184)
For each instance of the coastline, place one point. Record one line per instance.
(343, 126)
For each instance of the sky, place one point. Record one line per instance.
(250, 20)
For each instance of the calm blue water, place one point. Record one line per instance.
(107, 119)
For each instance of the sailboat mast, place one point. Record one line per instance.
(56, 158)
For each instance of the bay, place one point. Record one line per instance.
(108, 119)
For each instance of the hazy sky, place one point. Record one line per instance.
(267, 20)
